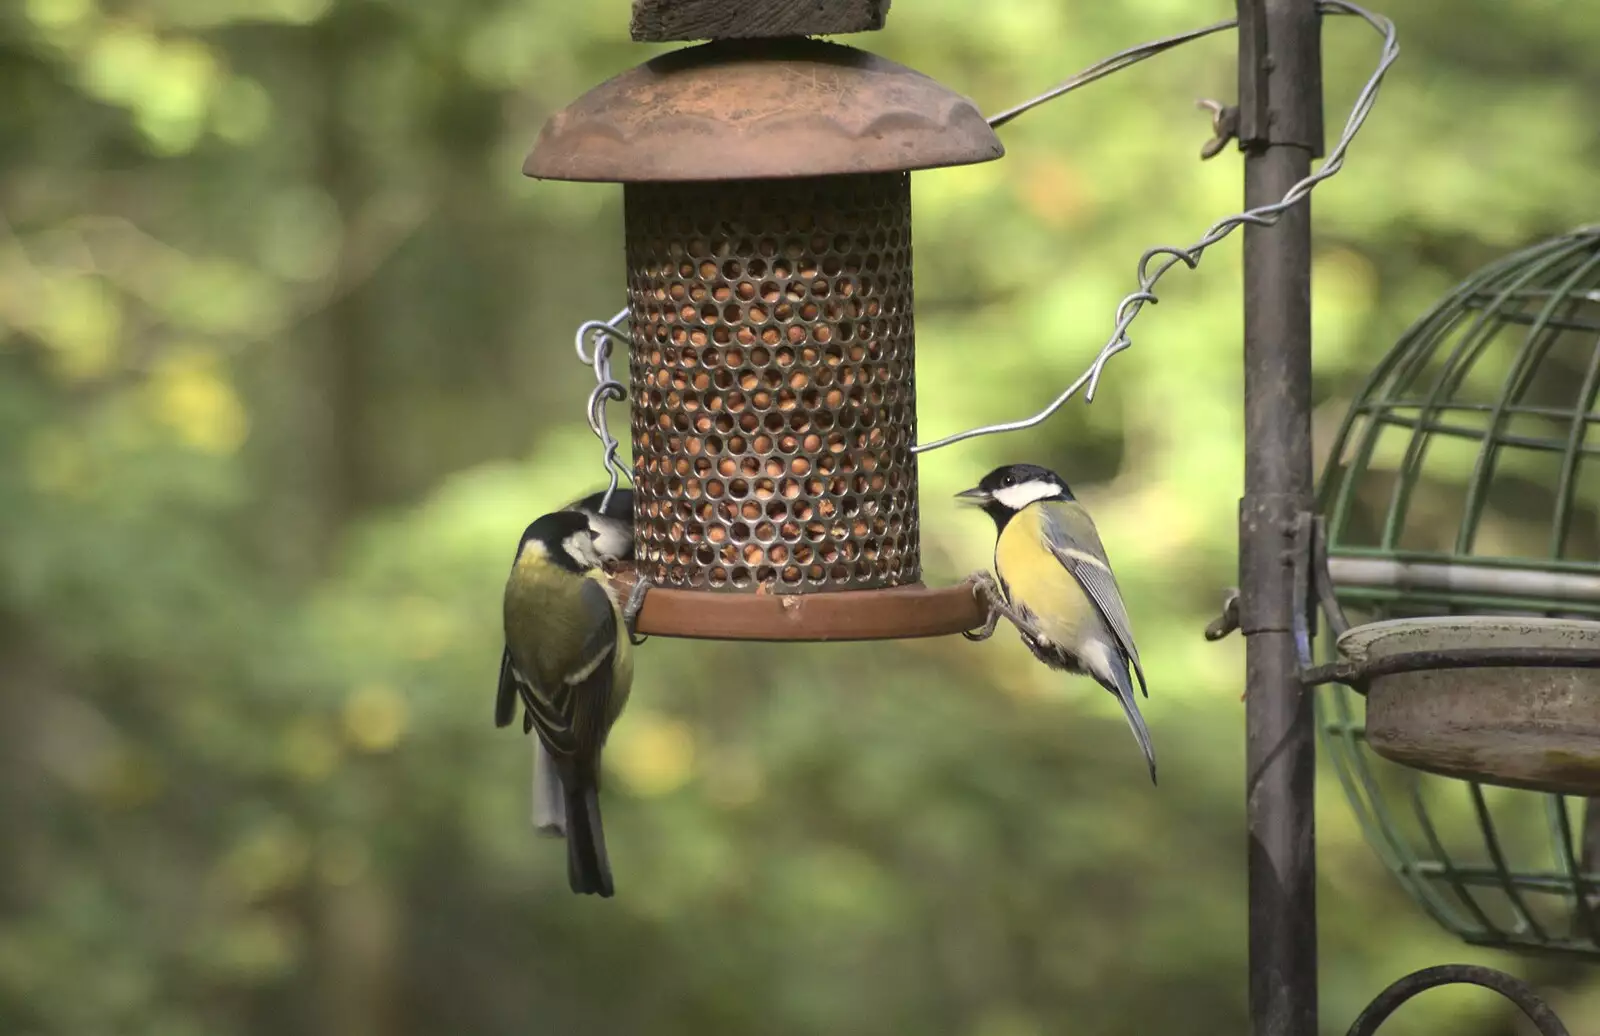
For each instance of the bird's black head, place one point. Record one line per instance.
(1005, 491)
(620, 507)
(566, 539)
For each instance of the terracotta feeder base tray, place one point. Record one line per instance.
(896, 613)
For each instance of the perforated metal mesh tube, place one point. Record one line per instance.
(772, 383)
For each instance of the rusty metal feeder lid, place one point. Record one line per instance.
(761, 109)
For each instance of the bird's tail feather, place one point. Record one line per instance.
(588, 869)
(549, 801)
(1124, 691)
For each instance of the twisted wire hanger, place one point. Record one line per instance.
(595, 337)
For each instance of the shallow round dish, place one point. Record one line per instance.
(1519, 726)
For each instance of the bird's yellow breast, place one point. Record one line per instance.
(1035, 580)
(547, 624)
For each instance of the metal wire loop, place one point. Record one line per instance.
(1180, 254)
(593, 344)
(595, 336)
(1265, 215)
(1115, 63)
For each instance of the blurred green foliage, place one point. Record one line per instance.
(285, 367)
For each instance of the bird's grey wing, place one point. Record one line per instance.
(571, 716)
(593, 687)
(505, 700)
(1071, 536)
(513, 687)
(549, 809)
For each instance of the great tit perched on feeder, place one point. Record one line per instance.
(613, 525)
(568, 660)
(1056, 584)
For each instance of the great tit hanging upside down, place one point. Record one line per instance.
(568, 660)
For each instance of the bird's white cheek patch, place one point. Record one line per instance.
(580, 547)
(1020, 496)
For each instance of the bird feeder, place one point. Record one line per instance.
(767, 225)
(1463, 504)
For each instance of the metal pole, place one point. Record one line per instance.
(1280, 106)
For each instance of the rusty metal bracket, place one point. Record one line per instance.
(1314, 593)
(1266, 602)
(1311, 590)
(1224, 126)
(1306, 553)
(1228, 621)
(1280, 75)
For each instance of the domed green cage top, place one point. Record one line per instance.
(1465, 480)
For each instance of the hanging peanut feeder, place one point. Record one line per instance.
(772, 385)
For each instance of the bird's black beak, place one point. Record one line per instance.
(975, 496)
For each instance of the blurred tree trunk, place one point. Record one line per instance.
(341, 366)
(355, 959)
(353, 924)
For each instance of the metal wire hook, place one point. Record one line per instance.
(1224, 127)
(595, 337)
(593, 344)
(1266, 215)
(1176, 255)
(600, 330)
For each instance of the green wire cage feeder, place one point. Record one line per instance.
(1462, 503)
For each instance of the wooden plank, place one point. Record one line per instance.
(660, 21)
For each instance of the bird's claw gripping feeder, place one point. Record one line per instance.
(767, 200)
